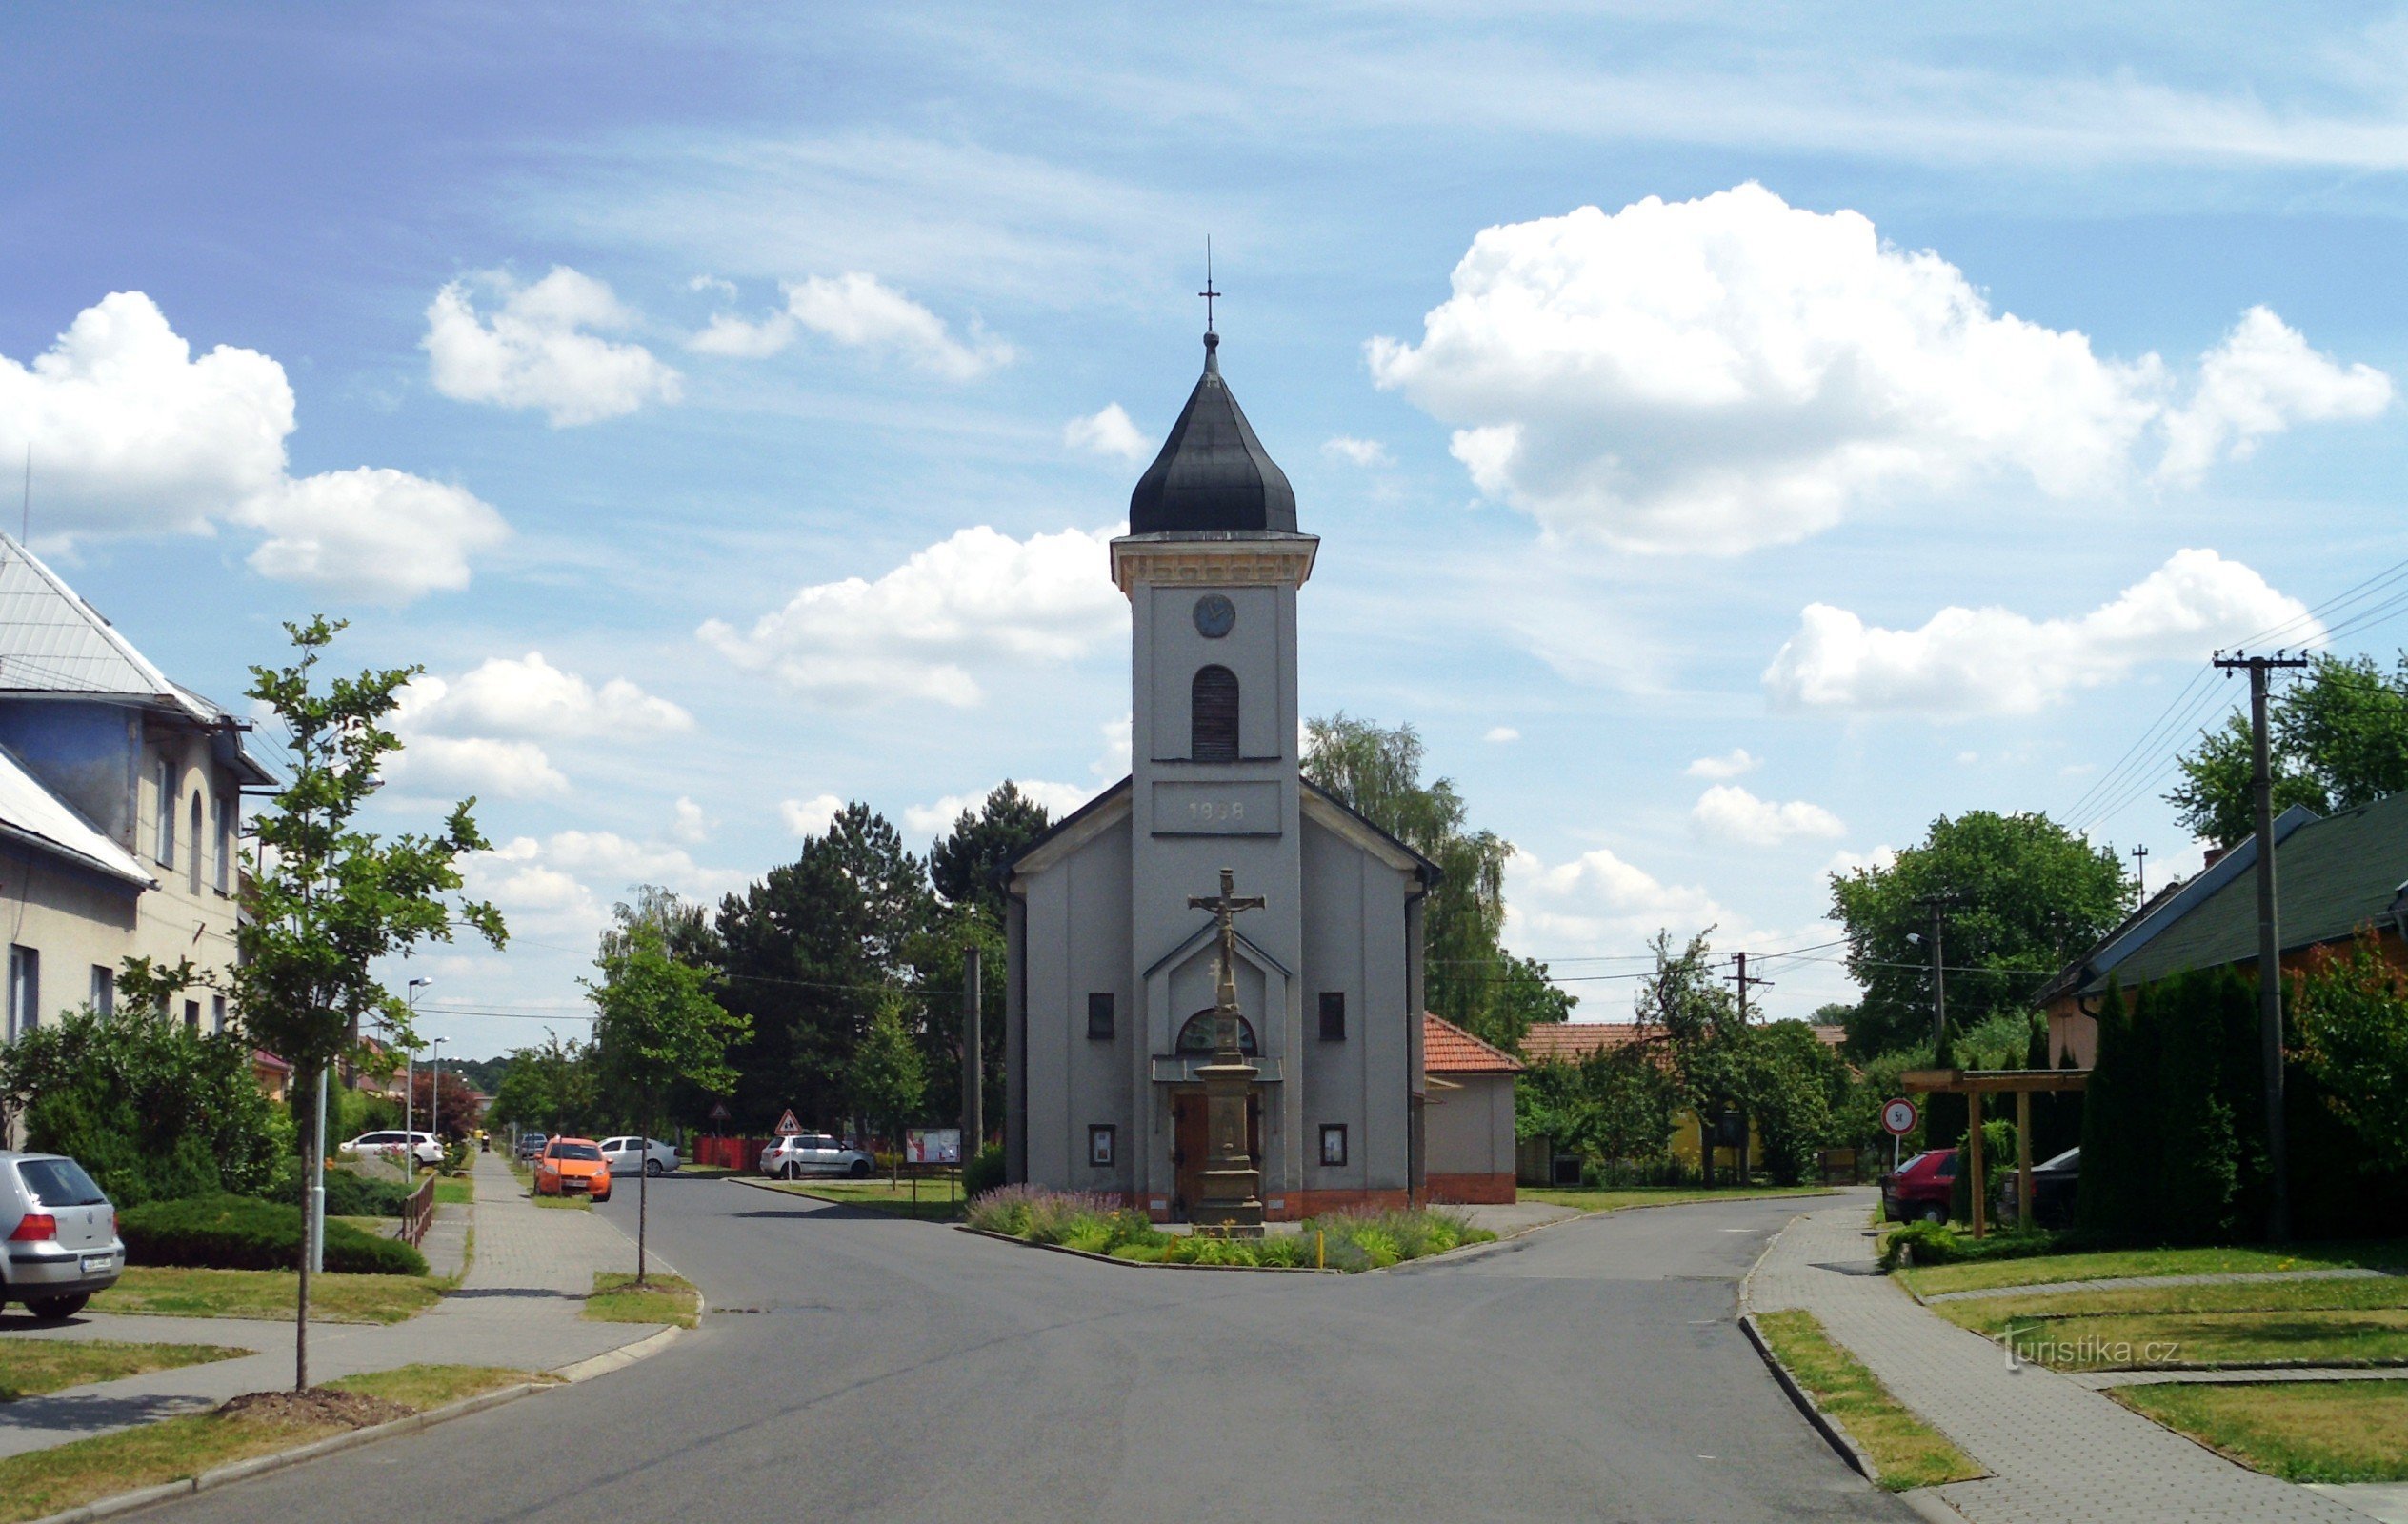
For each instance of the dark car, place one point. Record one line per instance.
(1919, 1189)
(2053, 1188)
(531, 1145)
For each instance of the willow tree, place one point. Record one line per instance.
(326, 898)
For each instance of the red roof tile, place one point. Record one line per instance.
(1570, 1041)
(1447, 1049)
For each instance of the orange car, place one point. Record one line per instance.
(572, 1164)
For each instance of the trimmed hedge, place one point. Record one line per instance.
(353, 1195)
(1934, 1243)
(238, 1233)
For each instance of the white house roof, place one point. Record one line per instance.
(32, 813)
(51, 641)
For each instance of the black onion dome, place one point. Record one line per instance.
(1213, 473)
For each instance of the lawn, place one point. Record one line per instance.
(29, 1368)
(1617, 1199)
(1906, 1451)
(267, 1293)
(43, 1482)
(2301, 1431)
(660, 1299)
(2331, 1322)
(459, 1193)
(2122, 1263)
(933, 1203)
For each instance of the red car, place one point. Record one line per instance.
(1920, 1188)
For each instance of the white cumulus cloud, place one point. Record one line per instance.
(528, 695)
(481, 765)
(1365, 452)
(1737, 763)
(1996, 661)
(688, 823)
(1058, 799)
(566, 883)
(2259, 381)
(131, 434)
(1729, 813)
(859, 311)
(813, 816)
(1500, 735)
(542, 349)
(1109, 432)
(978, 597)
(1598, 901)
(1733, 372)
(1881, 859)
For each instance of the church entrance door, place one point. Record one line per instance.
(1192, 1146)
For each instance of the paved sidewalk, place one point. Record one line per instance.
(2059, 1451)
(2238, 1277)
(517, 1308)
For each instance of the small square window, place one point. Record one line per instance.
(1099, 1015)
(1333, 1015)
(1100, 1141)
(1333, 1144)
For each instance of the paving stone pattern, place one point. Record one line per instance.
(2059, 1451)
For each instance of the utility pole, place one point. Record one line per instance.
(1938, 905)
(1744, 980)
(2141, 871)
(2261, 784)
(974, 1062)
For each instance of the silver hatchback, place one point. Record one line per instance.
(61, 1234)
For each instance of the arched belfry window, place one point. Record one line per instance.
(1199, 1035)
(1215, 711)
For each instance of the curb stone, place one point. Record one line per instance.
(1829, 1426)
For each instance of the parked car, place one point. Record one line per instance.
(2053, 1189)
(572, 1166)
(395, 1143)
(62, 1235)
(531, 1145)
(1920, 1188)
(628, 1155)
(791, 1158)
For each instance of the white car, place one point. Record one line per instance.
(392, 1144)
(791, 1158)
(628, 1155)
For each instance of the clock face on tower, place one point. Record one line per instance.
(1215, 614)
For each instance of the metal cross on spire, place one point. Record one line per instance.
(1208, 294)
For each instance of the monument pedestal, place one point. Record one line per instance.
(1231, 1207)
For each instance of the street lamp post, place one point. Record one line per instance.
(434, 1099)
(410, 1075)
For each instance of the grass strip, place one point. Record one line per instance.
(271, 1294)
(455, 1192)
(1617, 1198)
(42, 1482)
(1906, 1451)
(878, 1195)
(2299, 1430)
(660, 1299)
(2335, 1322)
(29, 1368)
(2120, 1263)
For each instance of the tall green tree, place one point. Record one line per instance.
(329, 897)
(2338, 738)
(2353, 1016)
(1686, 1000)
(889, 1081)
(656, 1025)
(964, 862)
(551, 1087)
(2031, 897)
(1469, 978)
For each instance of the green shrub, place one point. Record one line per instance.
(1287, 1250)
(348, 1195)
(1142, 1254)
(241, 1233)
(983, 1172)
(1934, 1243)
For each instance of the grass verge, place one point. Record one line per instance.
(2299, 1430)
(2328, 1322)
(457, 1192)
(660, 1299)
(1906, 1451)
(931, 1206)
(2121, 1263)
(1603, 1199)
(48, 1481)
(267, 1293)
(29, 1368)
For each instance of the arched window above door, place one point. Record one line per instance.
(1198, 1037)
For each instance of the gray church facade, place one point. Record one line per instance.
(1112, 973)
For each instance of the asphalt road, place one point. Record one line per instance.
(861, 1367)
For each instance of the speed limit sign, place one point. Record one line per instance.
(1899, 1116)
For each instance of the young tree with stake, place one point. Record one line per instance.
(328, 898)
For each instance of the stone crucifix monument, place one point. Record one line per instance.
(1233, 1199)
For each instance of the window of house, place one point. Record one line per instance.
(25, 991)
(225, 846)
(193, 1017)
(1214, 712)
(1333, 1015)
(1333, 1144)
(1101, 1139)
(218, 1013)
(104, 996)
(1099, 1015)
(167, 813)
(192, 866)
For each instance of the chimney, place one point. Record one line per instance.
(2213, 855)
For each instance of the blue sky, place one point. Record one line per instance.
(1965, 380)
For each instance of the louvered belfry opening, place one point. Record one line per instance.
(1216, 715)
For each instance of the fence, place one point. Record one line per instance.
(742, 1154)
(416, 1213)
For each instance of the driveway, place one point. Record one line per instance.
(861, 1367)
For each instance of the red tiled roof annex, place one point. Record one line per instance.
(1570, 1041)
(1447, 1049)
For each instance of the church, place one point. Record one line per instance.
(1112, 971)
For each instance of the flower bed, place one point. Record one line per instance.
(1097, 1225)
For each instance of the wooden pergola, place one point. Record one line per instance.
(1975, 1083)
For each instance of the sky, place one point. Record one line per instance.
(1739, 435)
